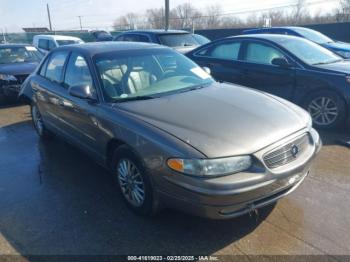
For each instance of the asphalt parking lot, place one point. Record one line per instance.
(55, 200)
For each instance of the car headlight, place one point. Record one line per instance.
(7, 77)
(210, 167)
(345, 54)
(309, 122)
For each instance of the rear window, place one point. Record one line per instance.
(178, 40)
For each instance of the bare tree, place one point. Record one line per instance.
(128, 21)
(212, 17)
(299, 11)
(343, 13)
(186, 16)
(182, 16)
(155, 17)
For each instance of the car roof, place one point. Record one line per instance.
(269, 37)
(93, 48)
(156, 31)
(57, 37)
(288, 28)
(14, 45)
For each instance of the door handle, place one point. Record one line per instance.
(35, 87)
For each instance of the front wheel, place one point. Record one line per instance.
(39, 123)
(327, 109)
(133, 181)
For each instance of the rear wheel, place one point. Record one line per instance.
(327, 109)
(39, 123)
(133, 181)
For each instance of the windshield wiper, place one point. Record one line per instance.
(133, 98)
(328, 62)
(191, 88)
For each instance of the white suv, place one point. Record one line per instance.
(45, 43)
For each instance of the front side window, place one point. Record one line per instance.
(19, 54)
(148, 73)
(261, 53)
(55, 66)
(227, 51)
(43, 44)
(77, 72)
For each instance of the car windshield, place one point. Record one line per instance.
(202, 40)
(308, 52)
(178, 40)
(68, 42)
(148, 73)
(22, 54)
(313, 35)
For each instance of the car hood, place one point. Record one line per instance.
(222, 120)
(339, 46)
(18, 68)
(339, 67)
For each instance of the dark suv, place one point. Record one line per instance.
(180, 40)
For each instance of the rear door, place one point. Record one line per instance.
(47, 88)
(223, 59)
(261, 74)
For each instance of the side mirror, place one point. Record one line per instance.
(207, 70)
(281, 61)
(83, 92)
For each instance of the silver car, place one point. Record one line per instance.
(170, 134)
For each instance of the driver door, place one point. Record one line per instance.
(260, 73)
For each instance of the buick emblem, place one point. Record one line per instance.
(294, 150)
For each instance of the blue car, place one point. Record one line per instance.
(286, 66)
(179, 40)
(340, 48)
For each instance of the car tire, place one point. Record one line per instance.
(38, 123)
(133, 181)
(327, 109)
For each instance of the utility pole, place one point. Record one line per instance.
(81, 27)
(3, 35)
(49, 16)
(167, 15)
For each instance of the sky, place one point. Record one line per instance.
(100, 14)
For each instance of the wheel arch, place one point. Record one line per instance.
(112, 145)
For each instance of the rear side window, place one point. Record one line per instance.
(228, 51)
(77, 72)
(55, 65)
(261, 53)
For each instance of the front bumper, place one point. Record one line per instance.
(233, 195)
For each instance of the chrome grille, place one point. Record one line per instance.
(287, 153)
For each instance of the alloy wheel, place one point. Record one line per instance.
(131, 182)
(323, 110)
